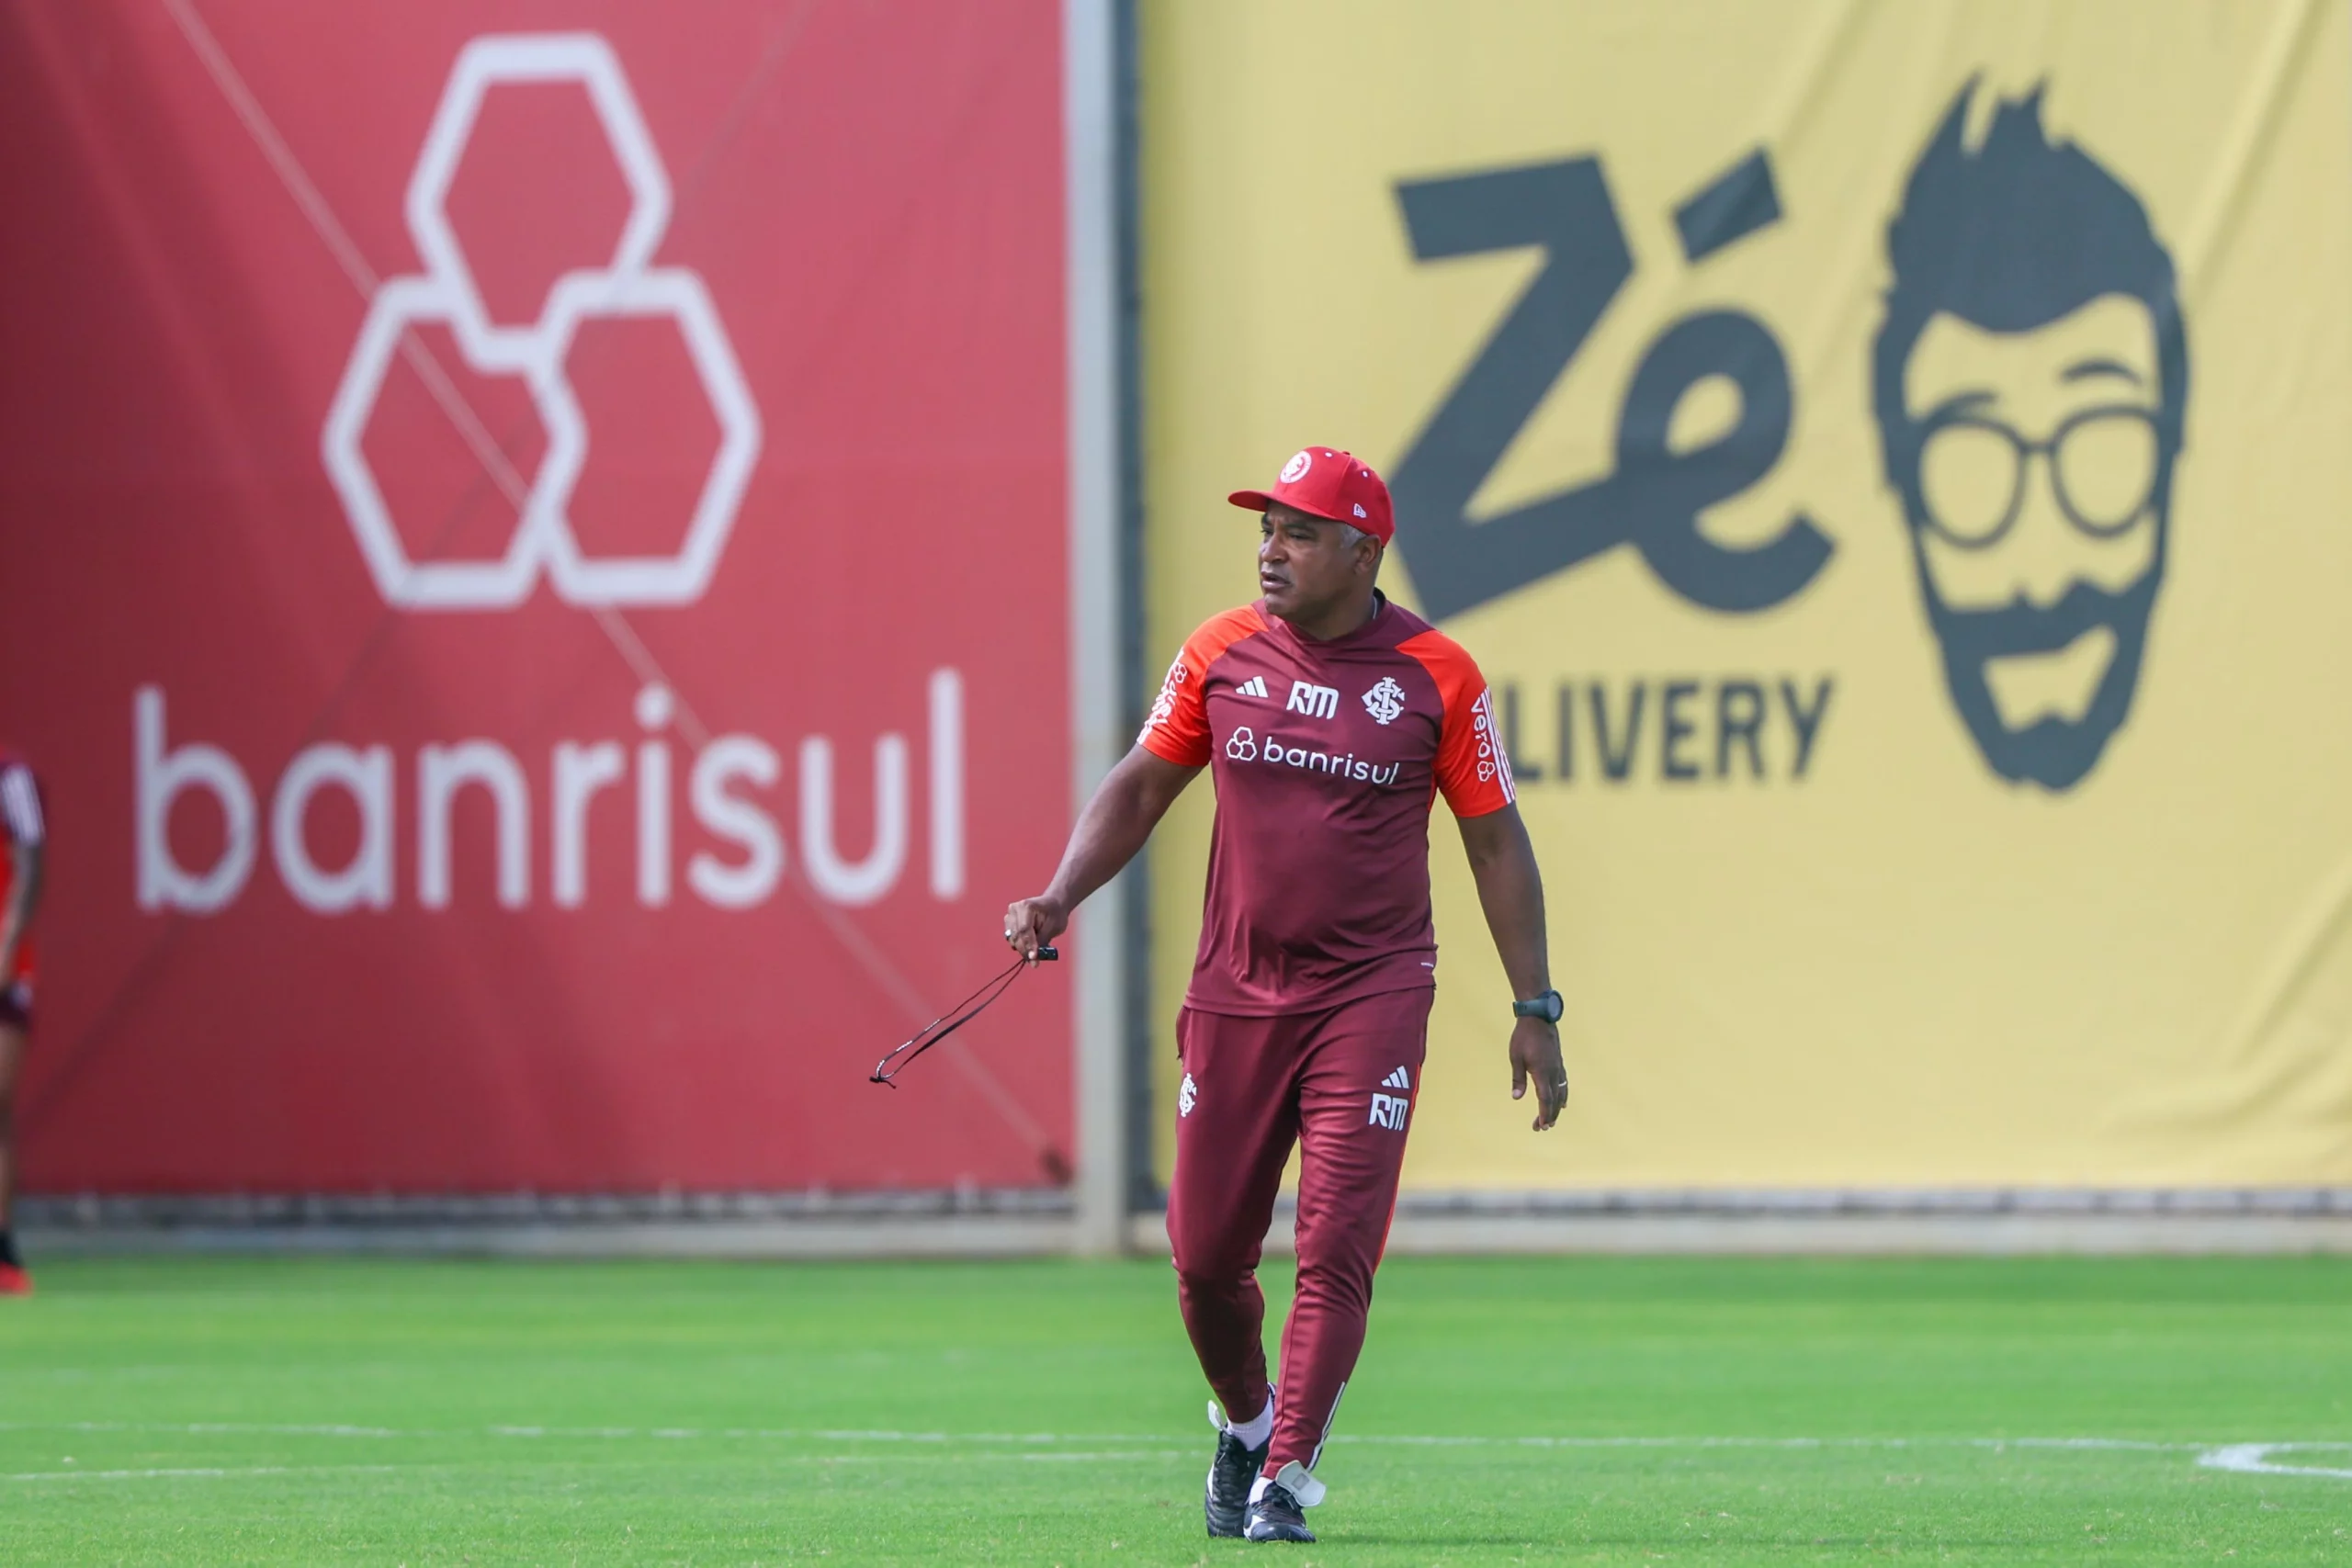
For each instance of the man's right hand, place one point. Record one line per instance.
(1031, 923)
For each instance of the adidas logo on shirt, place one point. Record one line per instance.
(1253, 687)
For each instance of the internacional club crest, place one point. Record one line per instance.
(1385, 702)
(626, 286)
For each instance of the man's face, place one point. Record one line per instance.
(2037, 515)
(1305, 567)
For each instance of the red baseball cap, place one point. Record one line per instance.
(1324, 481)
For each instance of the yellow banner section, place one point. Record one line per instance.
(1895, 465)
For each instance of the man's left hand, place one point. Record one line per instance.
(1535, 1054)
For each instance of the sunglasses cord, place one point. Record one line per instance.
(954, 1017)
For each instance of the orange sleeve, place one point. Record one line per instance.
(1472, 770)
(1178, 729)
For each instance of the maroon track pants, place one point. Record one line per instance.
(1341, 1083)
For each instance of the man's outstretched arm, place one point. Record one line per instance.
(1127, 805)
(1510, 890)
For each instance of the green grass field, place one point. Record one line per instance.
(1505, 1411)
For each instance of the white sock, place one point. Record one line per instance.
(1297, 1479)
(1254, 1432)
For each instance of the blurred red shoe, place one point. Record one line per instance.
(14, 1281)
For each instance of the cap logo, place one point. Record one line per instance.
(1299, 465)
(1360, 510)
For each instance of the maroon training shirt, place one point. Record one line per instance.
(1326, 757)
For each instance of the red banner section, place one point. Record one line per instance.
(536, 582)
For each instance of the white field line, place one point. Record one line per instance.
(2129, 1444)
(2254, 1459)
(206, 1472)
(2247, 1458)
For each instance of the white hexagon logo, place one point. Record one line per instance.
(624, 286)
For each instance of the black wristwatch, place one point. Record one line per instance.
(1546, 1006)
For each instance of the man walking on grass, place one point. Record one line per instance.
(1332, 719)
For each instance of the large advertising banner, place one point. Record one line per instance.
(535, 581)
(1891, 462)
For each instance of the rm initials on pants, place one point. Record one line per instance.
(1388, 1111)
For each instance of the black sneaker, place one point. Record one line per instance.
(1227, 1499)
(1277, 1515)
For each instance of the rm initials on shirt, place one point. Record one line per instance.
(1315, 702)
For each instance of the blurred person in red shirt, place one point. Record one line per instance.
(20, 878)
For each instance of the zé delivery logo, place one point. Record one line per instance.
(626, 286)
